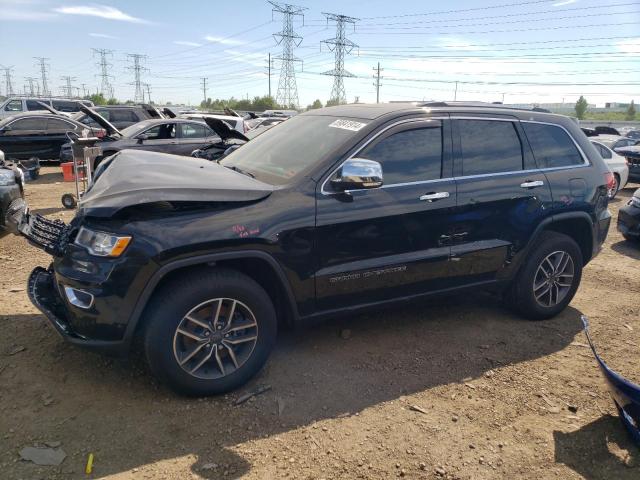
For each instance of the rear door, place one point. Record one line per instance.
(25, 138)
(56, 133)
(502, 196)
(193, 135)
(378, 244)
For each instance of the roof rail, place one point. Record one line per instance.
(481, 104)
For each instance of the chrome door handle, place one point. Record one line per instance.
(532, 184)
(430, 197)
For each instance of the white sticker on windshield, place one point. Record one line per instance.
(348, 125)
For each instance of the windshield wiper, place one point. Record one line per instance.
(239, 170)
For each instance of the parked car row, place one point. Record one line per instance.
(15, 105)
(43, 134)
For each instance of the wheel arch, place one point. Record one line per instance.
(260, 266)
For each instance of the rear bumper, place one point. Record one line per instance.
(44, 293)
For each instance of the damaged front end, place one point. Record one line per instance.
(625, 394)
(50, 235)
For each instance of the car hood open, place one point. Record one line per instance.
(135, 177)
(100, 120)
(223, 130)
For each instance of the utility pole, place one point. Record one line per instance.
(377, 83)
(68, 88)
(137, 68)
(32, 90)
(44, 66)
(204, 89)
(287, 95)
(340, 45)
(455, 94)
(269, 66)
(106, 89)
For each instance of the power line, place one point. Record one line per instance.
(44, 67)
(287, 95)
(106, 89)
(339, 45)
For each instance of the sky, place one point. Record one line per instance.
(519, 51)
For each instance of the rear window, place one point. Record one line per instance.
(489, 146)
(552, 146)
(59, 124)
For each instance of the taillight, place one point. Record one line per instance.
(244, 127)
(610, 180)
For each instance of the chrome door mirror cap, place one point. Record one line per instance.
(356, 174)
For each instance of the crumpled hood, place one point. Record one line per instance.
(136, 177)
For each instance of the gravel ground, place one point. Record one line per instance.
(457, 388)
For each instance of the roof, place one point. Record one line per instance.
(35, 113)
(374, 111)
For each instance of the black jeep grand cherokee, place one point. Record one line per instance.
(334, 210)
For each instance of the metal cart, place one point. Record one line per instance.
(84, 155)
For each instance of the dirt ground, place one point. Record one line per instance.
(496, 396)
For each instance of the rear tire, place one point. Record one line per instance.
(549, 278)
(209, 331)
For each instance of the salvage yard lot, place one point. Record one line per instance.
(453, 388)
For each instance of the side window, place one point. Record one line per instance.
(193, 130)
(123, 116)
(409, 155)
(33, 105)
(66, 106)
(163, 131)
(29, 124)
(58, 124)
(489, 146)
(552, 146)
(13, 106)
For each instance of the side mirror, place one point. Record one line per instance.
(357, 174)
(142, 137)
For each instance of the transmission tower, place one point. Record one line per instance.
(32, 89)
(340, 45)
(204, 88)
(105, 85)
(68, 88)
(147, 86)
(44, 67)
(137, 68)
(287, 95)
(8, 84)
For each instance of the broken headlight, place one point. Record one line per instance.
(102, 244)
(7, 177)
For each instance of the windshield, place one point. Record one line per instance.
(281, 153)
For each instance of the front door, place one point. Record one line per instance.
(159, 138)
(25, 138)
(502, 197)
(392, 241)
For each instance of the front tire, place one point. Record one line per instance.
(549, 279)
(209, 331)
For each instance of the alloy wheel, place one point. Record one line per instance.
(553, 279)
(215, 338)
